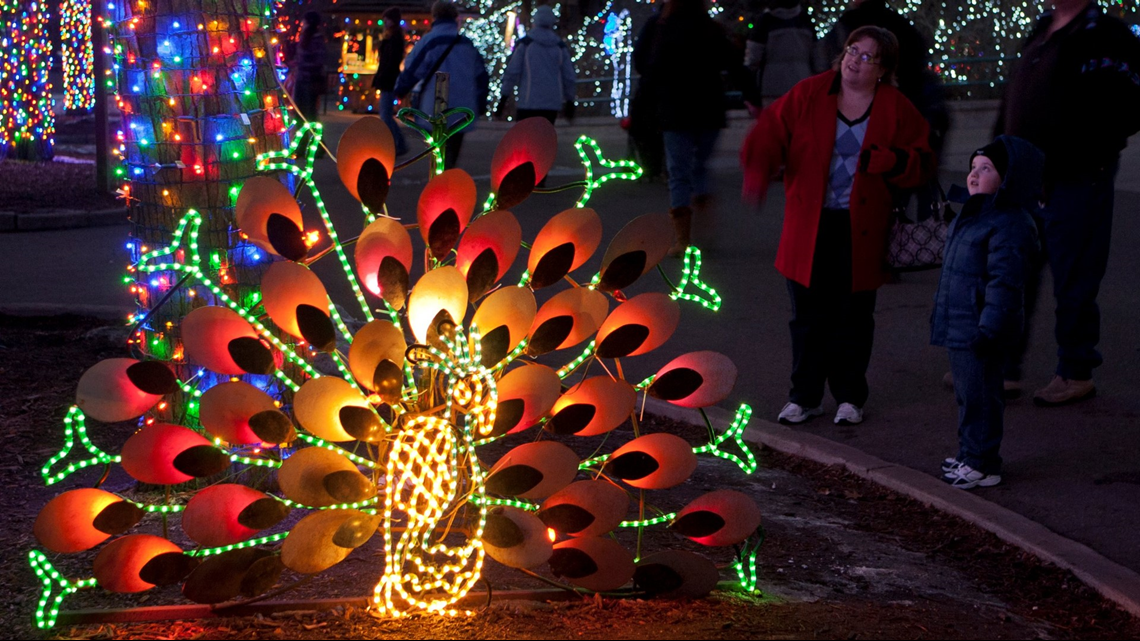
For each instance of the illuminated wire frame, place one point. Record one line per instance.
(27, 123)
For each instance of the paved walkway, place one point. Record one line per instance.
(1075, 470)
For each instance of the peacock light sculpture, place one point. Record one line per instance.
(382, 430)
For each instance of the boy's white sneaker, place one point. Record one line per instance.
(848, 414)
(794, 413)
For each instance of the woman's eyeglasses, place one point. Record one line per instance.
(854, 52)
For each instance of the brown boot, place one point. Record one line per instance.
(683, 226)
(704, 204)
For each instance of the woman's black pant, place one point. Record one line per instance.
(832, 327)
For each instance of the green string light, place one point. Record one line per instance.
(259, 462)
(47, 611)
(623, 169)
(272, 538)
(74, 425)
(566, 369)
(341, 506)
(320, 442)
(691, 274)
(488, 501)
(664, 518)
(734, 433)
(159, 509)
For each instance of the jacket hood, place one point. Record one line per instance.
(1023, 182)
(544, 17)
(785, 13)
(543, 35)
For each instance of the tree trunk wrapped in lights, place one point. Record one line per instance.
(78, 54)
(27, 125)
(199, 100)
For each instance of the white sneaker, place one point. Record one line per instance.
(950, 463)
(794, 414)
(848, 414)
(965, 477)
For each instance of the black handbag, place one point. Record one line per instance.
(915, 245)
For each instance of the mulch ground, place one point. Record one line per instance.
(38, 186)
(991, 590)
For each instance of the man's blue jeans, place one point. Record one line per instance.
(686, 155)
(1075, 229)
(978, 390)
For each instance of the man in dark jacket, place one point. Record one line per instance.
(781, 50)
(1076, 64)
(680, 55)
(978, 307)
(443, 49)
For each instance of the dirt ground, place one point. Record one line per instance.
(842, 559)
(65, 183)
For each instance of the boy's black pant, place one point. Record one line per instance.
(832, 327)
(978, 389)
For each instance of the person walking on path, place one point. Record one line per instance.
(1075, 93)
(309, 61)
(541, 69)
(846, 136)
(392, 47)
(781, 49)
(444, 49)
(680, 55)
(979, 306)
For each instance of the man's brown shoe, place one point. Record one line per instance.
(1062, 391)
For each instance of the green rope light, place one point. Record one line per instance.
(75, 426)
(621, 169)
(522, 505)
(47, 611)
(272, 538)
(734, 433)
(568, 368)
(340, 506)
(320, 442)
(691, 274)
(159, 509)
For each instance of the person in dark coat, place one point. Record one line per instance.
(781, 49)
(392, 48)
(980, 300)
(309, 67)
(848, 137)
(443, 49)
(1075, 93)
(682, 53)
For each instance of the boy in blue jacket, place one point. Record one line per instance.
(980, 301)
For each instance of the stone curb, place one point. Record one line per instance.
(11, 221)
(1112, 580)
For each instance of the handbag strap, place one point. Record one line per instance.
(439, 61)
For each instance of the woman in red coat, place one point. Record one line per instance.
(845, 137)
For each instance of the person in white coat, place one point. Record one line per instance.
(541, 70)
